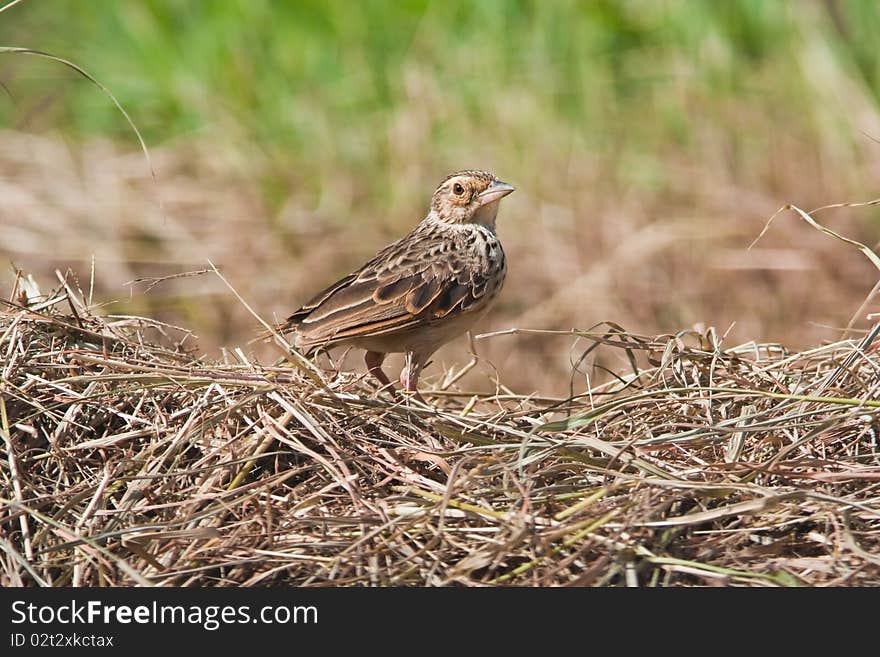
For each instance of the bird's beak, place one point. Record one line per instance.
(494, 192)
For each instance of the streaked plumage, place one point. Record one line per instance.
(421, 291)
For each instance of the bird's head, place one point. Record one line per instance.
(469, 197)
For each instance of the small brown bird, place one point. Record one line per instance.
(421, 291)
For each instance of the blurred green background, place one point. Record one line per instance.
(320, 82)
(649, 142)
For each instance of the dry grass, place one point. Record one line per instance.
(129, 460)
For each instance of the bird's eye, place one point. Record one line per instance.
(458, 189)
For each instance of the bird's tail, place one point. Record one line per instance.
(276, 331)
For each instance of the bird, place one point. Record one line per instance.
(419, 292)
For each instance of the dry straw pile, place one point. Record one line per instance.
(127, 460)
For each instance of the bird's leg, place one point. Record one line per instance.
(409, 375)
(374, 359)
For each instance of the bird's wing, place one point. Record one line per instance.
(420, 277)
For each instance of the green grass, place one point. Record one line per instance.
(300, 88)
